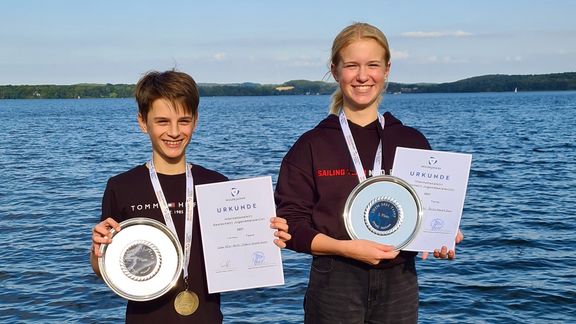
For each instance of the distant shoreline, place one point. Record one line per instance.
(486, 83)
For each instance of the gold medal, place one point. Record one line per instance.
(186, 303)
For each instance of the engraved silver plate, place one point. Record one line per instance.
(144, 260)
(384, 209)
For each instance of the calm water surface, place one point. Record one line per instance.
(516, 264)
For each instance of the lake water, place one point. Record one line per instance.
(516, 264)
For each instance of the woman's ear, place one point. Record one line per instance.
(334, 71)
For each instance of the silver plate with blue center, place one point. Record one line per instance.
(144, 260)
(383, 209)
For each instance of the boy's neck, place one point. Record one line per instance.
(169, 167)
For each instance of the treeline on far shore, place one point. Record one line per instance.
(486, 83)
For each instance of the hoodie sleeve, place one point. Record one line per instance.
(295, 196)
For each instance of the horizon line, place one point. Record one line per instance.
(276, 84)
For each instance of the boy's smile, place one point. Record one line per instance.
(170, 129)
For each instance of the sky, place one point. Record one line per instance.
(271, 42)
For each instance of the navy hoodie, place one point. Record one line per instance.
(318, 174)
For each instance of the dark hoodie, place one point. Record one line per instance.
(318, 174)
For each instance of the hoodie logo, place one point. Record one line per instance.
(331, 172)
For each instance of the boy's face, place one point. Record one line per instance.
(170, 129)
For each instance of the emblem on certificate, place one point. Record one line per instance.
(144, 260)
(383, 209)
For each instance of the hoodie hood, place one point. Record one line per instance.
(332, 121)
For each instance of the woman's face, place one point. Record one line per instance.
(361, 74)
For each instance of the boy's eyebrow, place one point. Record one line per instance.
(184, 118)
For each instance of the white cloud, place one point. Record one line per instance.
(399, 55)
(516, 58)
(220, 56)
(446, 60)
(460, 33)
(436, 34)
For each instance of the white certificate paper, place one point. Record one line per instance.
(440, 180)
(238, 243)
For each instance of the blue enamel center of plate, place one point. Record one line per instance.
(383, 215)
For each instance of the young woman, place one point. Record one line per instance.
(351, 281)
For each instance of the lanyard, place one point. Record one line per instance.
(354, 151)
(166, 210)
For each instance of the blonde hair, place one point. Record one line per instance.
(347, 36)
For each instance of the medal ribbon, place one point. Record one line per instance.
(354, 151)
(166, 210)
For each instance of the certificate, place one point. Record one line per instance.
(440, 180)
(238, 243)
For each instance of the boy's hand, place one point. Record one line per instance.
(101, 234)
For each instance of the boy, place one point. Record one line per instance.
(168, 113)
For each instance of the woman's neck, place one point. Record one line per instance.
(361, 117)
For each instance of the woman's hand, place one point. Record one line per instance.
(281, 233)
(368, 251)
(362, 250)
(443, 253)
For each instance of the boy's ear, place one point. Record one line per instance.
(195, 123)
(142, 124)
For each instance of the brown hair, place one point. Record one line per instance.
(177, 87)
(347, 36)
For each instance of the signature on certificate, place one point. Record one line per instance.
(258, 258)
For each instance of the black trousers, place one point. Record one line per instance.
(346, 291)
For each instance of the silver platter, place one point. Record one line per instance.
(144, 260)
(384, 209)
